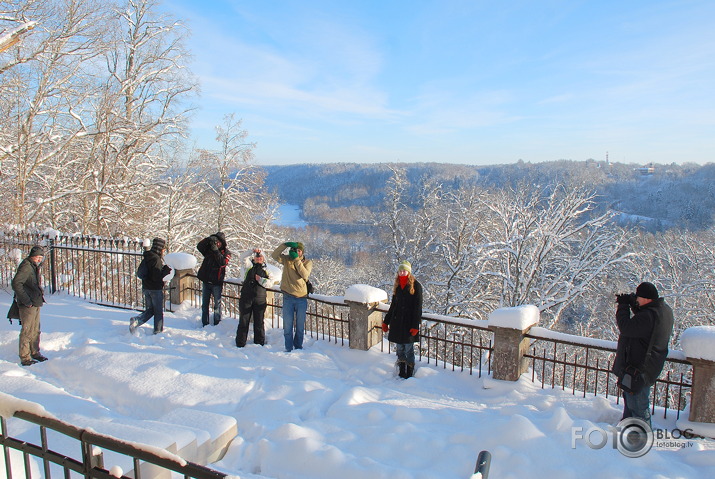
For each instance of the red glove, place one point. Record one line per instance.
(385, 327)
(414, 332)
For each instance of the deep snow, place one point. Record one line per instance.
(323, 412)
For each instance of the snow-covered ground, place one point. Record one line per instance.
(323, 412)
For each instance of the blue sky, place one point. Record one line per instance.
(477, 82)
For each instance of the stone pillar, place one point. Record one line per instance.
(698, 344)
(510, 326)
(510, 346)
(364, 325)
(702, 406)
(179, 286)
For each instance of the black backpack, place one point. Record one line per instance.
(142, 270)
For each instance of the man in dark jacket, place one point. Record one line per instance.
(153, 288)
(212, 273)
(642, 344)
(29, 298)
(252, 303)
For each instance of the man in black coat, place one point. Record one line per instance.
(29, 298)
(642, 345)
(212, 273)
(252, 303)
(153, 288)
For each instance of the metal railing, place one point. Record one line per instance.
(586, 368)
(100, 270)
(103, 271)
(89, 446)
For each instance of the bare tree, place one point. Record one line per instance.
(234, 199)
(141, 106)
(41, 92)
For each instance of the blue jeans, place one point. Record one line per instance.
(405, 352)
(294, 310)
(637, 405)
(207, 291)
(154, 304)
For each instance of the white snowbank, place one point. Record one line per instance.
(699, 342)
(181, 260)
(518, 317)
(365, 294)
(323, 412)
(9, 405)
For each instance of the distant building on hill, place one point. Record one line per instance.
(646, 170)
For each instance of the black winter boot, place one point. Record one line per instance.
(410, 370)
(403, 369)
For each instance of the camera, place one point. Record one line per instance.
(257, 254)
(626, 298)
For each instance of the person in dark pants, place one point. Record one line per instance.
(252, 304)
(153, 288)
(642, 345)
(402, 321)
(29, 298)
(212, 274)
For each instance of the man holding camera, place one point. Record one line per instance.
(294, 286)
(212, 273)
(642, 346)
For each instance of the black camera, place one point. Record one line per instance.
(258, 254)
(627, 298)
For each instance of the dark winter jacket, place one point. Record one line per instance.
(26, 284)
(157, 270)
(635, 333)
(405, 313)
(213, 267)
(252, 291)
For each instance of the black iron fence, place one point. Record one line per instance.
(103, 271)
(57, 458)
(584, 368)
(100, 270)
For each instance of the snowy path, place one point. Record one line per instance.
(324, 412)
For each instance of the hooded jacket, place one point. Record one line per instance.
(635, 332)
(296, 272)
(26, 284)
(156, 270)
(213, 267)
(252, 291)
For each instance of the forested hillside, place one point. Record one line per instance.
(337, 195)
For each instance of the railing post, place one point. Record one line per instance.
(699, 346)
(510, 326)
(53, 268)
(363, 319)
(180, 286)
(364, 323)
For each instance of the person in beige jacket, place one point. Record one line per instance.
(294, 286)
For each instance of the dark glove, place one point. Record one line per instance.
(291, 244)
(414, 332)
(629, 299)
(385, 327)
(293, 253)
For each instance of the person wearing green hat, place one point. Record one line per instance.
(403, 319)
(294, 286)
